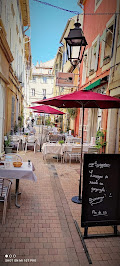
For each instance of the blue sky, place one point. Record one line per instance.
(47, 26)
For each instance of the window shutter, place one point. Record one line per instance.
(103, 38)
(97, 53)
(89, 60)
(12, 112)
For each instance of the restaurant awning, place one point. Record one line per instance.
(93, 85)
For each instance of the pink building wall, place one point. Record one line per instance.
(94, 25)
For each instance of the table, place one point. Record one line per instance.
(23, 172)
(52, 148)
(58, 149)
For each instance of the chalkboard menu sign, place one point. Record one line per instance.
(101, 190)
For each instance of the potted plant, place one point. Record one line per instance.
(7, 144)
(100, 141)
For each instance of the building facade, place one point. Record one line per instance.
(14, 17)
(41, 83)
(101, 29)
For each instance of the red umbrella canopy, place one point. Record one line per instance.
(86, 99)
(46, 109)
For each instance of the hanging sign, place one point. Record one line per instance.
(64, 79)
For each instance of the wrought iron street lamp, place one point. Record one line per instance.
(75, 39)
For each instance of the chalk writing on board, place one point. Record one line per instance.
(96, 200)
(99, 213)
(99, 165)
(99, 190)
(95, 176)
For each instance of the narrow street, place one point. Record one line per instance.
(42, 231)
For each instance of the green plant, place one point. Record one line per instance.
(20, 121)
(100, 140)
(7, 141)
(61, 141)
(48, 121)
(72, 112)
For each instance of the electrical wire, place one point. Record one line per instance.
(76, 12)
(48, 4)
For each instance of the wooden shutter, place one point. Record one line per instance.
(103, 38)
(89, 60)
(97, 53)
(12, 112)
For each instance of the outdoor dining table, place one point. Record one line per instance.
(52, 148)
(23, 172)
(61, 149)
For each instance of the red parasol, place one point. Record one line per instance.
(46, 109)
(82, 99)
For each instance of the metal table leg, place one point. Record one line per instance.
(17, 193)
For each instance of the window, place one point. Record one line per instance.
(50, 71)
(118, 41)
(56, 68)
(107, 42)
(34, 78)
(33, 92)
(44, 79)
(65, 57)
(97, 4)
(44, 93)
(84, 72)
(12, 112)
(93, 53)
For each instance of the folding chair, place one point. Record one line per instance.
(5, 195)
(75, 153)
(92, 150)
(31, 141)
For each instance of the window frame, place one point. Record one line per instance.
(85, 66)
(103, 41)
(97, 5)
(33, 92)
(90, 53)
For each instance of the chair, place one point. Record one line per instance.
(5, 195)
(92, 150)
(15, 141)
(75, 153)
(30, 141)
(53, 138)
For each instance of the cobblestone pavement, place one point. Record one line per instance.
(42, 232)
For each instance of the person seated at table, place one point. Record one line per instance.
(33, 130)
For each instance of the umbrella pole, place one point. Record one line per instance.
(78, 199)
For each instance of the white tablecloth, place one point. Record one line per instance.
(23, 172)
(54, 148)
